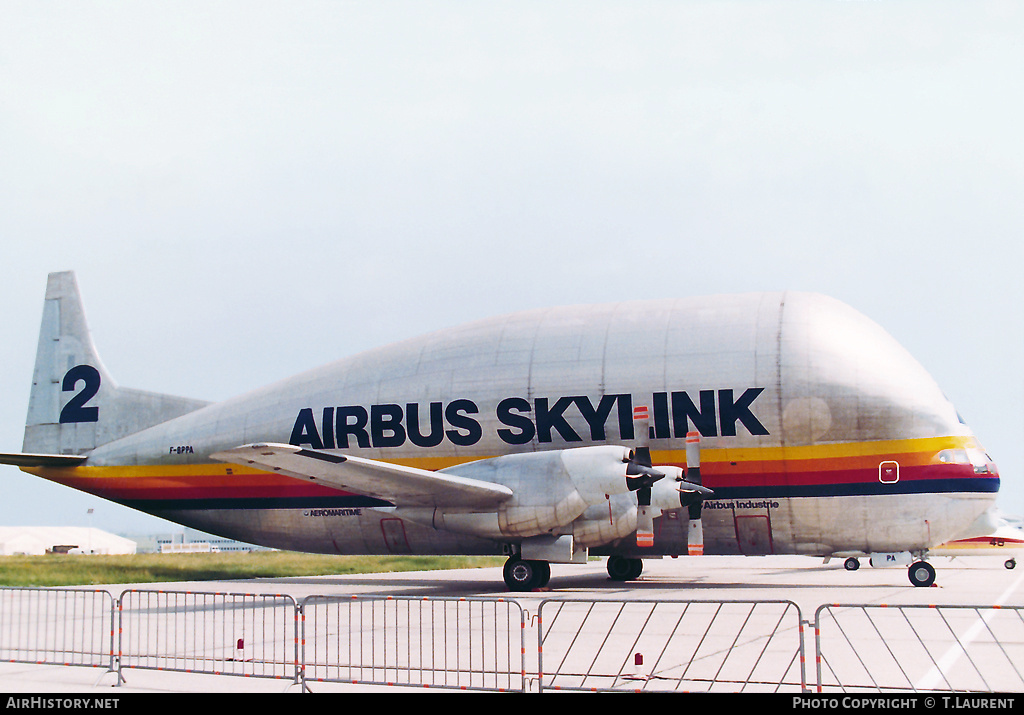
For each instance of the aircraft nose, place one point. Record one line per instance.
(986, 467)
(984, 464)
(977, 460)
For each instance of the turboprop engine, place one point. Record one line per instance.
(617, 515)
(553, 489)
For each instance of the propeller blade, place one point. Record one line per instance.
(691, 491)
(693, 457)
(641, 418)
(641, 433)
(644, 527)
(640, 473)
(695, 537)
(694, 490)
(635, 468)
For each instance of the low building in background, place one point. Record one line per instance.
(190, 541)
(39, 540)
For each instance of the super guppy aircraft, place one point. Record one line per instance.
(763, 423)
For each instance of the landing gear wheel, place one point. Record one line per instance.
(1010, 563)
(851, 564)
(622, 569)
(521, 575)
(922, 574)
(543, 573)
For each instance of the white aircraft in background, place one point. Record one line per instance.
(765, 423)
(1004, 540)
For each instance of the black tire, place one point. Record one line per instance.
(622, 569)
(921, 574)
(543, 573)
(521, 575)
(851, 564)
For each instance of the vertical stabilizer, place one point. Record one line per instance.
(75, 405)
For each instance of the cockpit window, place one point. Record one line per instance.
(954, 456)
(975, 457)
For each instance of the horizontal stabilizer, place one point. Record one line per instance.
(403, 486)
(22, 459)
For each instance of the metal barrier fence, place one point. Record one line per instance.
(480, 644)
(470, 644)
(919, 648)
(57, 626)
(679, 646)
(212, 633)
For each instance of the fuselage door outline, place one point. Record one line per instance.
(888, 471)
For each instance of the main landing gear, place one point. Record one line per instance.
(522, 575)
(622, 569)
(525, 575)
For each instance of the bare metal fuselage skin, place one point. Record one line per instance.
(819, 433)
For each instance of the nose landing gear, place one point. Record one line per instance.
(921, 573)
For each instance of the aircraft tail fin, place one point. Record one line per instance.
(75, 405)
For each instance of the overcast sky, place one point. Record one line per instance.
(250, 189)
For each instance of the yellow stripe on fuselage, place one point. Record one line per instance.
(912, 451)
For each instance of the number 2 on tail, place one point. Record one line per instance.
(75, 410)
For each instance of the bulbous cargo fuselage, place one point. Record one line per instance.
(820, 434)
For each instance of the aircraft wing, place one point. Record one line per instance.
(403, 486)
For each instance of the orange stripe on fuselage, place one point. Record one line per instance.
(204, 481)
(725, 467)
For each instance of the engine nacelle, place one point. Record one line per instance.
(615, 519)
(597, 472)
(551, 490)
(666, 494)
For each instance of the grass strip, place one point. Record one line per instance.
(85, 570)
